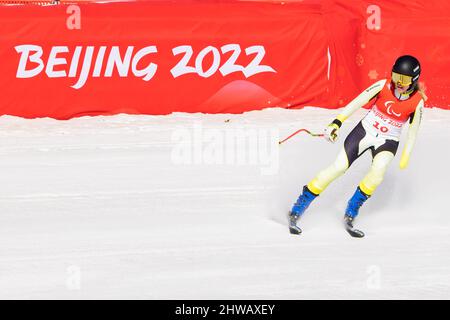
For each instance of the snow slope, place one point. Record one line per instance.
(105, 207)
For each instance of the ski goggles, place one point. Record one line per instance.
(401, 79)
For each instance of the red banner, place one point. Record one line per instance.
(161, 57)
(366, 36)
(153, 57)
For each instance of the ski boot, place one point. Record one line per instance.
(354, 204)
(302, 203)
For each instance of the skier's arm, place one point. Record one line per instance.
(332, 130)
(412, 134)
(361, 100)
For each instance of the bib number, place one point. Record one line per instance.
(381, 128)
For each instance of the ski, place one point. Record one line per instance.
(293, 227)
(355, 233)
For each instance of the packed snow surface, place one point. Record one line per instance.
(193, 206)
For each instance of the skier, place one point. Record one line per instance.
(394, 102)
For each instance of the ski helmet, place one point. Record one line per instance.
(406, 72)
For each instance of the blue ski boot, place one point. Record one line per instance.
(354, 204)
(303, 202)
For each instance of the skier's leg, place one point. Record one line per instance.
(354, 146)
(349, 153)
(345, 158)
(370, 182)
(376, 173)
(329, 174)
(365, 189)
(318, 184)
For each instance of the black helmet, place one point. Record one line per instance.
(406, 71)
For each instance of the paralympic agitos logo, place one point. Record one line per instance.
(90, 61)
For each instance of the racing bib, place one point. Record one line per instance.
(389, 114)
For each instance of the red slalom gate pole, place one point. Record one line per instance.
(302, 130)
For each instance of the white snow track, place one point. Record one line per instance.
(98, 208)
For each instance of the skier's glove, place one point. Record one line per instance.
(332, 131)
